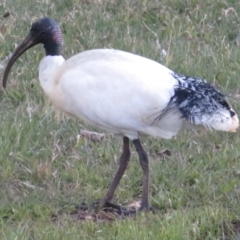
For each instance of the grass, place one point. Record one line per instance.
(45, 170)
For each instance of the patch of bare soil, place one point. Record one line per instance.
(108, 214)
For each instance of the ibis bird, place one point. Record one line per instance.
(124, 94)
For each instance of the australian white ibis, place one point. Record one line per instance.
(124, 94)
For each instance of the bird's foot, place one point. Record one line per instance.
(145, 206)
(130, 209)
(147, 209)
(120, 210)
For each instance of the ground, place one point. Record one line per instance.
(48, 171)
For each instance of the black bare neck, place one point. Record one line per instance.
(52, 49)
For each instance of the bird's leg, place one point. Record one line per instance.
(124, 160)
(145, 167)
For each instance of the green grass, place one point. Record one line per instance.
(45, 170)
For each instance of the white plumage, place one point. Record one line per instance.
(117, 91)
(127, 91)
(124, 94)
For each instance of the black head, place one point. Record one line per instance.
(45, 31)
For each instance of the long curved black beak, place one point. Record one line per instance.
(27, 43)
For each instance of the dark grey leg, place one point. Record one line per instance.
(143, 158)
(124, 160)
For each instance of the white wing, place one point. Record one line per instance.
(120, 92)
